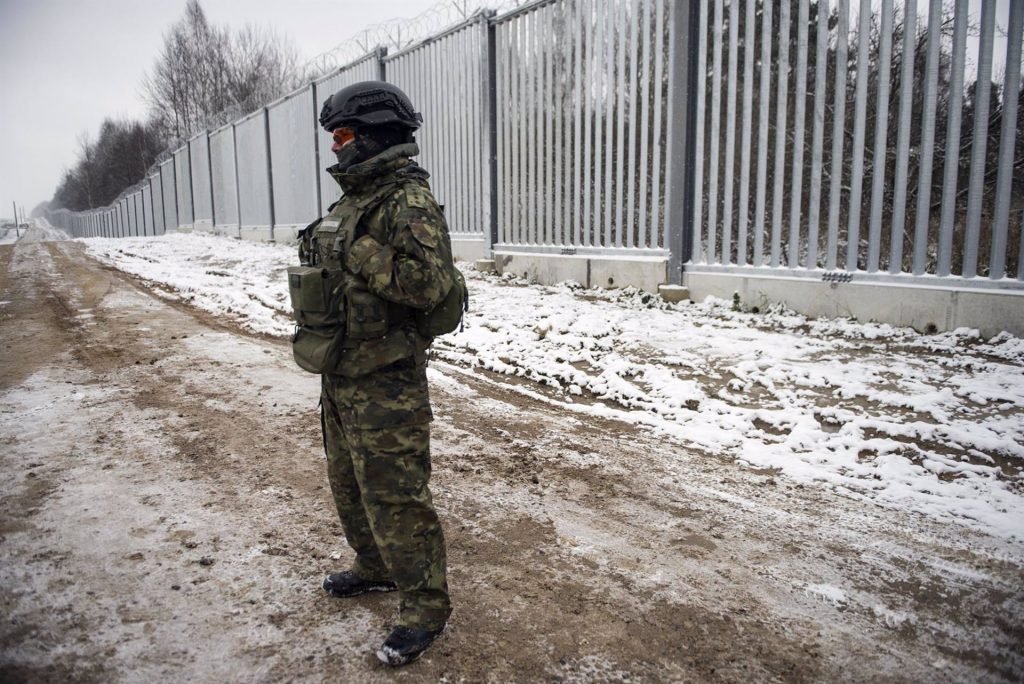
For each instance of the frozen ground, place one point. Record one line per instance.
(630, 491)
(931, 423)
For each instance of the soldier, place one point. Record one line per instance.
(381, 255)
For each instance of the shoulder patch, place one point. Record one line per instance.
(419, 197)
(424, 233)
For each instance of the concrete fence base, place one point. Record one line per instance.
(645, 273)
(256, 233)
(926, 309)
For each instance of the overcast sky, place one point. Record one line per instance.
(66, 65)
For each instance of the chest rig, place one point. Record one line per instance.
(333, 308)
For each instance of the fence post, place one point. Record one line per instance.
(209, 171)
(491, 93)
(270, 172)
(381, 52)
(683, 83)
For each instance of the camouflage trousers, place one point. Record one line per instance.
(376, 432)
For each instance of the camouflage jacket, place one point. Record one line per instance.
(398, 251)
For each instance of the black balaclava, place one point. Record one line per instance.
(371, 141)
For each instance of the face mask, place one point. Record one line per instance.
(358, 151)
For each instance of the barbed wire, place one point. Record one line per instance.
(398, 34)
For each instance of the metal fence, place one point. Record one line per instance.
(870, 140)
(449, 76)
(797, 138)
(582, 105)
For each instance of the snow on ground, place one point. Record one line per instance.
(932, 423)
(39, 230)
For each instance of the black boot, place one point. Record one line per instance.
(406, 644)
(347, 583)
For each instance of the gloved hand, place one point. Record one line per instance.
(370, 259)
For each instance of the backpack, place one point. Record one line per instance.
(446, 317)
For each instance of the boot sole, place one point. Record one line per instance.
(340, 594)
(393, 658)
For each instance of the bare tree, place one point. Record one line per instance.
(204, 76)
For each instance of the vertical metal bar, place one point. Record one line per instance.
(209, 172)
(835, 185)
(659, 227)
(599, 135)
(549, 121)
(698, 88)
(450, 66)
(624, 82)
(530, 145)
(818, 136)
(711, 248)
(539, 127)
(503, 110)
(643, 124)
(470, 173)
(558, 51)
(609, 109)
(982, 96)
(447, 141)
(746, 119)
(926, 164)
(490, 149)
(881, 137)
(470, 129)
(730, 130)
(781, 100)
(682, 121)
(540, 172)
(497, 65)
(565, 110)
(174, 182)
(238, 190)
(629, 184)
(532, 125)
(530, 175)
(270, 173)
(762, 132)
(588, 134)
(951, 165)
(799, 123)
(465, 171)
(859, 126)
(517, 131)
(899, 201)
(579, 93)
(1007, 138)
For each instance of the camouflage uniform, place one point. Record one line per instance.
(375, 406)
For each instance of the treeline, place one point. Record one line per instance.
(117, 159)
(203, 77)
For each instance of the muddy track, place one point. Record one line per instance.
(166, 516)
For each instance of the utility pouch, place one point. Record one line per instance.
(317, 350)
(366, 315)
(315, 295)
(446, 317)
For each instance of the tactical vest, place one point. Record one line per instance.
(333, 307)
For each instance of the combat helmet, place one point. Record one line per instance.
(369, 103)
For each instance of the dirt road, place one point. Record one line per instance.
(166, 517)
